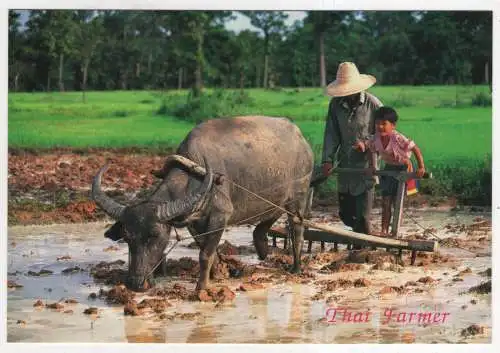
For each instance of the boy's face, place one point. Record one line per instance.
(384, 127)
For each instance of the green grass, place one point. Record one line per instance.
(451, 131)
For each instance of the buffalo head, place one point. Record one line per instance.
(146, 225)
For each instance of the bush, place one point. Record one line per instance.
(207, 106)
(481, 99)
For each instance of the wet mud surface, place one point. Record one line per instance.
(65, 284)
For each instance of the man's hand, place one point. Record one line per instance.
(359, 146)
(327, 168)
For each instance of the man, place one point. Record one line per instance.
(350, 119)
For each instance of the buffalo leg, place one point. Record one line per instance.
(207, 257)
(297, 236)
(260, 237)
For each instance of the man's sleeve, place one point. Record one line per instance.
(331, 139)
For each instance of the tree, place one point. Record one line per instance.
(322, 21)
(269, 22)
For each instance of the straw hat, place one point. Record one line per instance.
(349, 81)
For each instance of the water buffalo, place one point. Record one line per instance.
(202, 189)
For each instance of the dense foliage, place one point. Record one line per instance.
(114, 50)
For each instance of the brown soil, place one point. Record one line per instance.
(59, 180)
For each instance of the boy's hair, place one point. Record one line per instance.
(386, 113)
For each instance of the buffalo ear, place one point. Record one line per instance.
(116, 232)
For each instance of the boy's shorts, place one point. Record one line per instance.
(389, 184)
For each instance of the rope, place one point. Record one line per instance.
(179, 239)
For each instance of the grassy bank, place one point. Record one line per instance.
(451, 124)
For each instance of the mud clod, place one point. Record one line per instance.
(392, 289)
(71, 301)
(38, 303)
(362, 282)
(57, 306)
(465, 272)
(486, 273)
(12, 284)
(411, 284)
(250, 286)
(473, 330)
(71, 270)
(65, 257)
(119, 294)
(109, 273)
(482, 288)
(91, 311)
(41, 273)
(220, 294)
(426, 280)
(131, 309)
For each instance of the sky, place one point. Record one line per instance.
(241, 23)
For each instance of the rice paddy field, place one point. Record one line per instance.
(451, 124)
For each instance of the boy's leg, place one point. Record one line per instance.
(386, 213)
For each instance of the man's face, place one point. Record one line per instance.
(353, 98)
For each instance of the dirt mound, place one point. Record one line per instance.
(217, 294)
(119, 294)
(110, 273)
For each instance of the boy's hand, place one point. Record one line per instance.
(327, 167)
(420, 172)
(359, 146)
(370, 171)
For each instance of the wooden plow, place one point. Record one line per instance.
(330, 234)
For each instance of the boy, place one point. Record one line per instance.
(395, 150)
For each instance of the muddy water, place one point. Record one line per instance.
(280, 313)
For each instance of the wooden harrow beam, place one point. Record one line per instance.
(329, 234)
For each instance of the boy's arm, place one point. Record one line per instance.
(420, 161)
